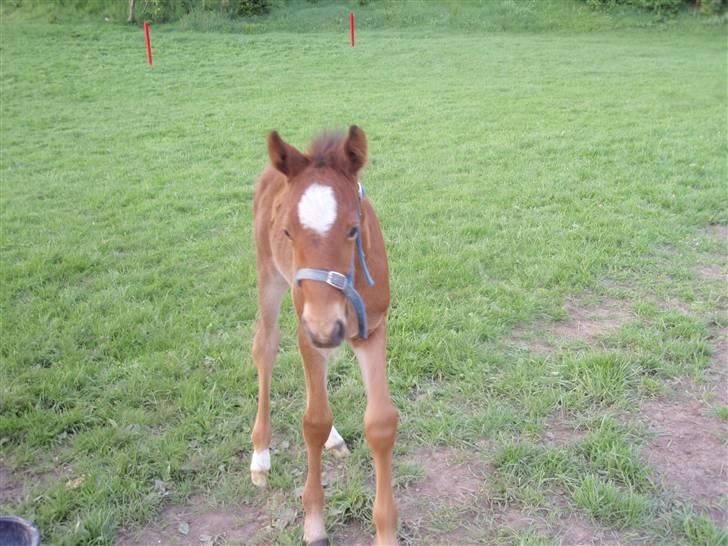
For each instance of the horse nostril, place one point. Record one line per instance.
(338, 333)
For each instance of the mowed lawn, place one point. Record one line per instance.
(555, 208)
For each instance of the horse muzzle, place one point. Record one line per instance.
(329, 338)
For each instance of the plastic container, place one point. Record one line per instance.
(15, 531)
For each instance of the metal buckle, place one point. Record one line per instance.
(336, 279)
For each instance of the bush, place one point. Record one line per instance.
(251, 7)
(658, 6)
(161, 11)
(706, 7)
(113, 9)
(712, 7)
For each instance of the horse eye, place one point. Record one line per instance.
(353, 232)
(285, 232)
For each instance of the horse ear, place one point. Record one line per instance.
(285, 157)
(355, 149)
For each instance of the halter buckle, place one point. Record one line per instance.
(336, 279)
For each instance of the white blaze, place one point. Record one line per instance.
(317, 208)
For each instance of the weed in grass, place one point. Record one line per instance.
(701, 531)
(610, 452)
(666, 343)
(601, 378)
(526, 472)
(610, 504)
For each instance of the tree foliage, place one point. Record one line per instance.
(170, 10)
(709, 7)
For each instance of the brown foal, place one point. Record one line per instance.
(313, 228)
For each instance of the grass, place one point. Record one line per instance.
(609, 504)
(700, 530)
(510, 168)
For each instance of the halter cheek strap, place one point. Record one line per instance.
(359, 245)
(345, 283)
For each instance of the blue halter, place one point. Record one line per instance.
(345, 283)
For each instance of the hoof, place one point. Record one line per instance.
(259, 467)
(320, 542)
(339, 451)
(259, 478)
(336, 444)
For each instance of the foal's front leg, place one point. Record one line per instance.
(380, 426)
(271, 288)
(317, 421)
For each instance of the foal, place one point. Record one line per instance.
(316, 233)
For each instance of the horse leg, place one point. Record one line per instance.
(271, 288)
(380, 426)
(317, 421)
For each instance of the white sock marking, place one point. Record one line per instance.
(317, 208)
(335, 439)
(260, 461)
(313, 528)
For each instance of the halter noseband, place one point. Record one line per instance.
(345, 283)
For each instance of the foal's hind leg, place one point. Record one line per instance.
(380, 426)
(271, 288)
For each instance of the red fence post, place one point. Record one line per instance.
(149, 43)
(351, 25)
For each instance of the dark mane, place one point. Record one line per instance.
(323, 148)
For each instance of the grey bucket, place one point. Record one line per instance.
(15, 531)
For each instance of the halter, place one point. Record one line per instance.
(345, 283)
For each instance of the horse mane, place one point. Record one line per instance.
(322, 150)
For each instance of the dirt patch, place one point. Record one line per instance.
(533, 341)
(689, 450)
(576, 529)
(453, 480)
(11, 489)
(352, 534)
(717, 231)
(715, 388)
(590, 322)
(571, 529)
(450, 478)
(196, 525)
(711, 273)
(556, 432)
(15, 485)
(690, 447)
(719, 371)
(586, 322)
(455, 490)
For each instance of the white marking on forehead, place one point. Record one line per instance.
(317, 208)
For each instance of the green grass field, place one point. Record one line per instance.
(554, 199)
